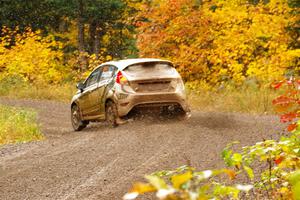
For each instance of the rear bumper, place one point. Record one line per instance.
(125, 105)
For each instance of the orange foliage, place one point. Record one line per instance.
(220, 40)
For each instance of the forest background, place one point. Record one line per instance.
(219, 47)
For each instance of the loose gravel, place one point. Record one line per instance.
(102, 163)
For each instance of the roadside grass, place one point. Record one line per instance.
(62, 92)
(18, 125)
(245, 99)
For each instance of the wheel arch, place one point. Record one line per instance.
(74, 103)
(110, 96)
(109, 99)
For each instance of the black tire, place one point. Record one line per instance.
(76, 120)
(111, 114)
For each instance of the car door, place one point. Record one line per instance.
(91, 84)
(97, 97)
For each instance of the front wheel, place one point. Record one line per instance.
(111, 114)
(77, 123)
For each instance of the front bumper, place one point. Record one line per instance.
(129, 101)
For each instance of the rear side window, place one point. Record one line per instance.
(107, 72)
(150, 68)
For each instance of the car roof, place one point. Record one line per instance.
(122, 64)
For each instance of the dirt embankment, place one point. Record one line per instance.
(102, 163)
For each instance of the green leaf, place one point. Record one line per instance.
(295, 177)
(157, 182)
(226, 155)
(295, 181)
(223, 191)
(296, 132)
(237, 158)
(249, 172)
(296, 191)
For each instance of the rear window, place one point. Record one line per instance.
(150, 68)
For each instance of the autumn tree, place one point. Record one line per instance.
(215, 41)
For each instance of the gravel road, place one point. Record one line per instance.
(102, 163)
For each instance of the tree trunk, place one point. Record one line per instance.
(97, 41)
(81, 41)
(92, 38)
(120, 52)
(62, 26)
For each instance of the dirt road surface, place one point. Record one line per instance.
(102, 163)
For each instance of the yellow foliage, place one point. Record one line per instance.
(221, 39)
(91, 61)
(35, 58)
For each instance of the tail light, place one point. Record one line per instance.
(122, 80)
(178, 84)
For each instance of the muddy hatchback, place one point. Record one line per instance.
(115, 88)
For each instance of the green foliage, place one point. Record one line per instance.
(294, 179)
(18, 125)
(272, 166)
(104, 21)
(38, 14)
(281, 158)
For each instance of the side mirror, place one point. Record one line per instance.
(80, 86)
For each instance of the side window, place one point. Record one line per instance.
(92, 78)
(107, 72)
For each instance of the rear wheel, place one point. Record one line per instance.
(77, 122)
(111, 114)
